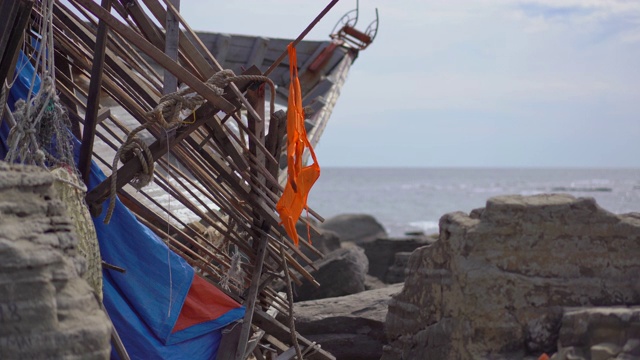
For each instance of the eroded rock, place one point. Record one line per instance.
(599, 333)
(341, 272)
(358, 228)
(46, 310)
(494, 285)
(382, 252)
(350, 327)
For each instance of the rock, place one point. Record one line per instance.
(47, 311)
(600, 333)
(323, 240)
(359, 228)
(349, 327)
(604, 351)
(341, 272)
(373, 283)
(382, 252)
(397, 271)
(494, 286)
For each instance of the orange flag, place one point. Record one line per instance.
(300, 179)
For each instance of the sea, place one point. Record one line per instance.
(413, 199)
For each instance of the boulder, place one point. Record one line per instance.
(47, 311)
(349, 327)
(382, 252)
(494, 285)
(341, 272)
(372, 283)
(397, 271)
(323, 240)
(359, 228)
(599, 333)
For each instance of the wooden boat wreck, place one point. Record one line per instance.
(191, 130)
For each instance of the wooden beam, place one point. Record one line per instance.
(129, 169)
(10, 54)
(301, 36)
(158, 56)
(281, 332)
(256, 98)
(170, 83)
(93, 100)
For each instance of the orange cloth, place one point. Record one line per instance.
(300, 179)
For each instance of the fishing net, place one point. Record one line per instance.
(40, 136)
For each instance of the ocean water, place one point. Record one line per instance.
(410, 199)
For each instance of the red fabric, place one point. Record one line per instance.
(204, 303)
(300, 178)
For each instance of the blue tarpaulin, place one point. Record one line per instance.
(160, 307)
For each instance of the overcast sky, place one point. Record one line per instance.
(449, 83)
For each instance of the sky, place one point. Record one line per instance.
(470, 83)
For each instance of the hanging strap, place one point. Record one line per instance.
(300, 178)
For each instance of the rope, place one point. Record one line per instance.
(3, 98)
(292, 323)
(168, 114)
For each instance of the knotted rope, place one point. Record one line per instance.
(168, 114)
(38, 125)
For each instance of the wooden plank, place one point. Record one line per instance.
(158, 56)
(260, 46)
(301, 36)
(146, 26)
(188, 49)
(250, 302)
(229, 342)
(79, 28)
(9, 58)
(223, 43)
(158, 148)
(170, 83)
(8, 11)
(93, 100)
(261, 243)
(281, 332)
(234, 88)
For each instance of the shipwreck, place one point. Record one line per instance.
(180, 146)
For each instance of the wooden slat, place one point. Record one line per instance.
(170, 83)
(93, 101)
(158, 56)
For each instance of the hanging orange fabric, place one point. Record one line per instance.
(300, 179)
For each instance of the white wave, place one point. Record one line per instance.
(428, 227)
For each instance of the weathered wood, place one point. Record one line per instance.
(8, 12)
(260, 243)
(158, 148)
(281, 332)
(188, 49)
(79, 28)
(158, 56)
(229, 342)
(93, 101)
(250, 302)
(22, 15)
(215, 63)
(170, 83)
(301, 36)
(258, 51)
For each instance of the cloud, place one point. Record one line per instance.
(618, 19)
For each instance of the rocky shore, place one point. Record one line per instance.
(538, 277)
(523, 278)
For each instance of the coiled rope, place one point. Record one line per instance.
(168, 115)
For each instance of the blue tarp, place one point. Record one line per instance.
(145, 302)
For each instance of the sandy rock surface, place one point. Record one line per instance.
(46, 310)
(495, 285)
